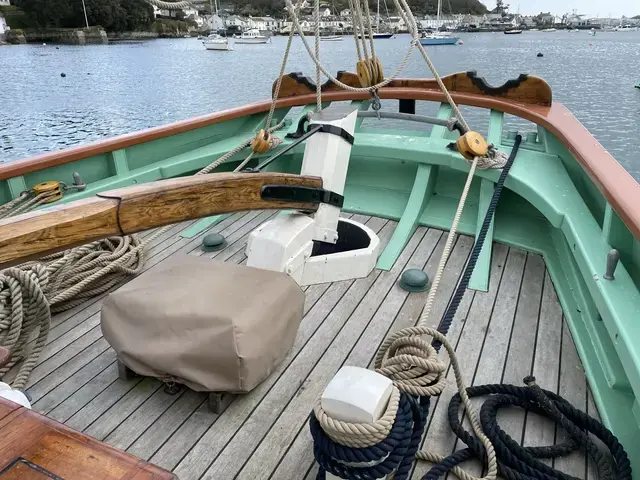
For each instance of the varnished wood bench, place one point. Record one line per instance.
(34, 447)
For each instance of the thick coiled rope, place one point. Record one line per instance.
(516, 462)
(24, 312)
(413, 365)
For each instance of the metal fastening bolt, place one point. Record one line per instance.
(289, 270)
(326, 236)
(612, 262)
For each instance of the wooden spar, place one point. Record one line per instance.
(134, 209)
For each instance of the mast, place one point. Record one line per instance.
(377, 17)
(438, 14)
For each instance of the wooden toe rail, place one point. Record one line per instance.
(133, 209)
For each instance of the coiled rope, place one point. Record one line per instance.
(516, 462)
(413, 365)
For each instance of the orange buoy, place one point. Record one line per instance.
(471, 145)
(262, 142)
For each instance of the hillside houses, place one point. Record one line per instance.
(264, 24)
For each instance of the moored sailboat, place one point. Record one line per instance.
(438, 37)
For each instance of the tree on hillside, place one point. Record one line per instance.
(113, 15)
(45, 13)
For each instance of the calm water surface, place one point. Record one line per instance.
(119, 88)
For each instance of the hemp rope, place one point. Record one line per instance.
(296, 22)
(355, 31)
(316, 11)
(425, 378)
(283, 67)
(368, 16)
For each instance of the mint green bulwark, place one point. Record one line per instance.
(549, 206)
(480, 276)
(421, 193)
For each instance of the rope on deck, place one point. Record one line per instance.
(516, 462)
(417, 374)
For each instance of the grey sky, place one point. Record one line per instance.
(602, 8)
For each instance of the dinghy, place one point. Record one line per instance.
(515, 250)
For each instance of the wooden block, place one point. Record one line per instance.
(34, 447)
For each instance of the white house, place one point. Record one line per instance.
(3, 25)
(5, 3)
(264, 24)
(345, 13)
(158, 12)
(238, 22)
(445, 21)
(214, 22)
(397, 24)
(193, 14)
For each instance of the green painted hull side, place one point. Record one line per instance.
(549, 206)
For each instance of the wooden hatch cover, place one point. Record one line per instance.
(34, 447)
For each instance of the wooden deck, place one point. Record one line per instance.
(514, 329)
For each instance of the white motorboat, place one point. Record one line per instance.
(252, 37)
(217, 42)
(331, 38)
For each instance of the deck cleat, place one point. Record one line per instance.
(213, 242)
(414, 280)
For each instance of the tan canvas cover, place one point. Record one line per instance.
(209, 325)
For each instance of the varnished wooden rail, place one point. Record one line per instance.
(134, 209)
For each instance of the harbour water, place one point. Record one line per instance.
(124, 87)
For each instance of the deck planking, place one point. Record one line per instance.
(514, 329)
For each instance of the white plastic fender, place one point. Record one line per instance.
(14, 395)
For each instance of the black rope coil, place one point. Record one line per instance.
(396, 451)
(516, 462)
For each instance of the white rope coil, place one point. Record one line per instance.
(415, 369)
(359, 435)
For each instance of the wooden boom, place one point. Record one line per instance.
(133, 209)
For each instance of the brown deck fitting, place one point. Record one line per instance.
(34, 447)
(514, 329)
